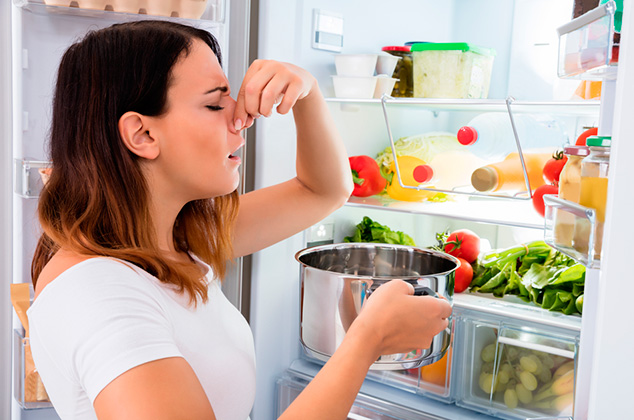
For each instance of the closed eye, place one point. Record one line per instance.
(215, 107)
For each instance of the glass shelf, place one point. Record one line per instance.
(576, 108)
(214, 11)
(586, 45)
(574, 230)
(515, 213)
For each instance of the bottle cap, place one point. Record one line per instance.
(577, 150)
(599, 141)
(484, 179)
(423, 173)
(467, 135)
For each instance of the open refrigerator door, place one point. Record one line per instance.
(36, 34)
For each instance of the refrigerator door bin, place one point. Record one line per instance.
(586, 45)
(212, 10)
(29, 177)
(516, 370)
(29, 391)
(574, 230)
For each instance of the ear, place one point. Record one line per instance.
(136, 135)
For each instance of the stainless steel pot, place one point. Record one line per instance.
(338, 278)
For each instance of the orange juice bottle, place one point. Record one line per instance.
(594, 192)
(508, 175)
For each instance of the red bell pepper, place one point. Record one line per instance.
(366, 176)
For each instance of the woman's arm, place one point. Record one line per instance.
(165, 389)
(392, 321)
(323, 182)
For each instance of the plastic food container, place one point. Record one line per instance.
(384, 85)
(451, 70)
(354, 87)
(404, 87)
(386, 63)
(356, 64)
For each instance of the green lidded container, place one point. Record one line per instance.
(451, 70)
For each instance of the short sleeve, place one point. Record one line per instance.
(100, 319)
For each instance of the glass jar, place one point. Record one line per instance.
(594, 192)
(404, 86)
(569, 189)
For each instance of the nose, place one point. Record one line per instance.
(229, 110)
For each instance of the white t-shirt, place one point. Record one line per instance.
(104, 316)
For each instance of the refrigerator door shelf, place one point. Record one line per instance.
(29, 391)
(29, 177)
(515, 370)
(586, 45)
(209, 10)
(574, 230)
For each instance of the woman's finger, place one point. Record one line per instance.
(271, 92)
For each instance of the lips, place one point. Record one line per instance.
(233, 155)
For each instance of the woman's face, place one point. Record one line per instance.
(197, 142)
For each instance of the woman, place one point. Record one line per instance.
(141, 214)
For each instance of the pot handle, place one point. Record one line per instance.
(424, 291)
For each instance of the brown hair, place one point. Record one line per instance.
(96, 201)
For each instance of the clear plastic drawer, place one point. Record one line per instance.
(365, 407)
(517, 372)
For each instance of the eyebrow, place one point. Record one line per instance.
(216, 89)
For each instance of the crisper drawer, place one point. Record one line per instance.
(515, 370)
(365, 407)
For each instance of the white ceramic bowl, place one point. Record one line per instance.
(355, 64)
(354, 87)
(386, 63)
(384, 85)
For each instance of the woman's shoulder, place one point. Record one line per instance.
(69, 265)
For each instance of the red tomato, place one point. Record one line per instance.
(552, 168)
(464, 275)
(538, 197)
(581, 140)
(463, 243)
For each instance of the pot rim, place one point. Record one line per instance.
(317, 248)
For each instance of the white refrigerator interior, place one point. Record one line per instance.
(34, 37)
(523, 33)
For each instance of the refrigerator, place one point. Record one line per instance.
(525, 35)
(266, 285)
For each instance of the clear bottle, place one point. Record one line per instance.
(594, 192)
(490, 135)
(569, 189)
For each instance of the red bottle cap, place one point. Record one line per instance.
(423, 173)
(467, 135)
